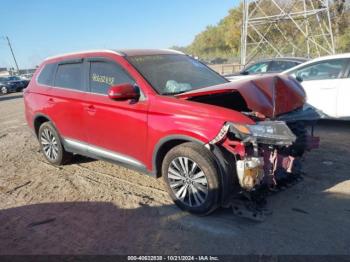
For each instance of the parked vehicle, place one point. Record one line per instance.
(12, 84)
(326, 81)
(273, 65)
(26, 76)
(166, 114)
(6, 87)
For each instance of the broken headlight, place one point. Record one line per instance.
(265, 132)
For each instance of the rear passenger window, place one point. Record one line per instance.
(46, 74)
(70, 76)
(103, 75)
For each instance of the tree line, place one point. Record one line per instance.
(222, 41)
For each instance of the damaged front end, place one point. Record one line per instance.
(268, 157)
(255, 147)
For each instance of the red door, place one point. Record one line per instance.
(115, 129)
(65, 100)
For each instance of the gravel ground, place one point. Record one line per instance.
(94, 207)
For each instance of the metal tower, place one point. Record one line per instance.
(278, 28)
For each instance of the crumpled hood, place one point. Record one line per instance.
(271, 95)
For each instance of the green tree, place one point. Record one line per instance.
(223, 40)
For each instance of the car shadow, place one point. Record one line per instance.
(95, 228)
(79, 159)
(9, 97)
(81, 228)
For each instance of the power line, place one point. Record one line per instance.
(13, 55)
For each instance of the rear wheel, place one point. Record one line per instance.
(192, 179)
(51, 146)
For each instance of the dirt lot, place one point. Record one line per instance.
(93, 207)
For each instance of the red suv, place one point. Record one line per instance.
(166, 114)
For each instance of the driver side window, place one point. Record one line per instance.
(103, 75)
(331, 69)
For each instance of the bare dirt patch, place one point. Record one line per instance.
(94, 207)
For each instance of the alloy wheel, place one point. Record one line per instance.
(3, 90)
(49, 144)
(188, 181)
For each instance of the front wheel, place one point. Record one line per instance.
(192, 178)
(4, 90)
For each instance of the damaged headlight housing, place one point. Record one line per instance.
(265, 132)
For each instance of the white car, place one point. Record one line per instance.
(326, 81)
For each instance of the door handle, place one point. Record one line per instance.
(91, 108)
(51, 101)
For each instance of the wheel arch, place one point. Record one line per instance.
(164, 146)
(221, 158)
(38, 120)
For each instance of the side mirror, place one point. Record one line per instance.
(299, 79)
(244, 73)
(123, 92)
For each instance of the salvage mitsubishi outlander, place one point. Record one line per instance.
(163, 113)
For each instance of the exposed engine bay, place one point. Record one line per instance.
(271, 160)
(268, 154)
(267, 164)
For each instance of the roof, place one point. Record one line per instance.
(294, 59)
(322, 58)
(140, 52)
(82, 53)
(123, 52)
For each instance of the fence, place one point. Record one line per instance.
(226, 68)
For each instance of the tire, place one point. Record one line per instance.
(194, 191)
(4, 90)
(300, 145)
(51, 145)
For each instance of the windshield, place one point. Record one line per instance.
(257, 68)
(174, 74)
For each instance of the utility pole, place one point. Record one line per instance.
(244, 33)
(13, 55)
(278, 28)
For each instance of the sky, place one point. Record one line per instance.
(41, 28)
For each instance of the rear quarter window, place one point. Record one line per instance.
(46, 75)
